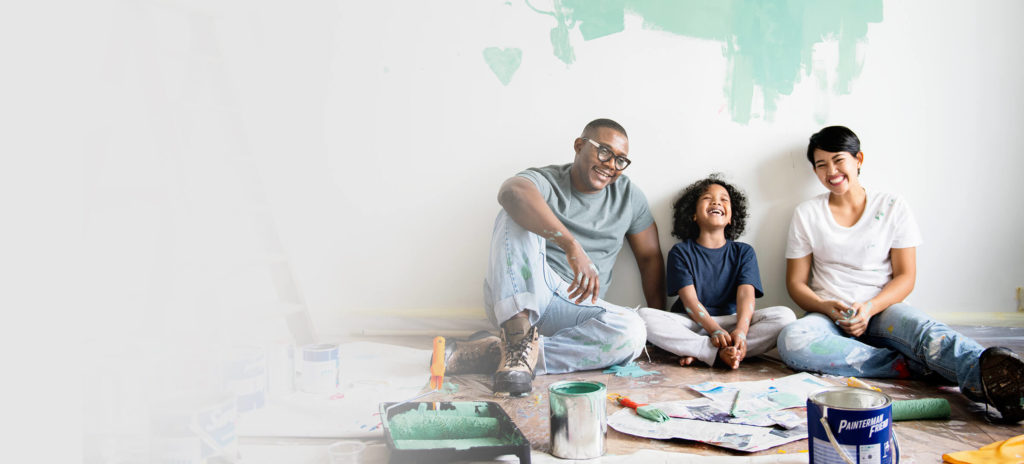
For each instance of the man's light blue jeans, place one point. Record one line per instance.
(898, 341)
(573, 336)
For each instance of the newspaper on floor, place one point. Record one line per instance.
(707, 409)
(739, 415)
(739, 437)
(762, 396)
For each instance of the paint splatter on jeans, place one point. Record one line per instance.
(573, 336)
(899, 341)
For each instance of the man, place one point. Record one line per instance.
(552, 251)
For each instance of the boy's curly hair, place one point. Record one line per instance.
(683, 225)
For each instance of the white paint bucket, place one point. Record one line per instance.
(316, 368)
(195, 430)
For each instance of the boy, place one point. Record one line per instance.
(717, 280)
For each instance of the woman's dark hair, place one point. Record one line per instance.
(833, 139)
(685, 227)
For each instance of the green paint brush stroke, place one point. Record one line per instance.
(767, 43)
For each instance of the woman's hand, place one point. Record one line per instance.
(856, 323)
(835, 310)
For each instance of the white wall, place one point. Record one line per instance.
(380, 136)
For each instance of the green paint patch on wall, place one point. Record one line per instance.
(504, 62)
(767, 43)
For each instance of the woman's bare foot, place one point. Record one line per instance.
(685, 361)
(730, 356)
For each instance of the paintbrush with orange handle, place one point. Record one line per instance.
(437, 365)
(642, 410)
(436, 372)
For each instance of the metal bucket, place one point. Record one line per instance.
(578, 419)
(851, 425)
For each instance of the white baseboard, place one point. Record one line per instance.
(989, 319)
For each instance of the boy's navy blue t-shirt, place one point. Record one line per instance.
(715, 274)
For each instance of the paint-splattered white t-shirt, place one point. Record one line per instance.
(599, 221)
(851, 264)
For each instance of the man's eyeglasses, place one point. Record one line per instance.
(604, 154)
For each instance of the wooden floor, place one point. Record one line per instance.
(922, 441)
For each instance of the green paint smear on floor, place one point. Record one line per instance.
(629, 370)
(768, 44)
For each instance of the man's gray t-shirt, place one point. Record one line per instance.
(599, 221)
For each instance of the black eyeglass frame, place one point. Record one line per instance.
(605, 153)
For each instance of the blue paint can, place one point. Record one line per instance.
(851, 425)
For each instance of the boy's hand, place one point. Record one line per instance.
(739, 341)
(719, 337)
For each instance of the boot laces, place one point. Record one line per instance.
(518, 353)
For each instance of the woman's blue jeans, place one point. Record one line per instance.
(898, 341)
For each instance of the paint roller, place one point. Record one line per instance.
(925, 408)
(419, 424)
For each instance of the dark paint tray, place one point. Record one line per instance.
(508, 440)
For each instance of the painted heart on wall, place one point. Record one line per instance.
(503, 61)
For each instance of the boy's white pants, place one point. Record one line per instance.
(683, 336)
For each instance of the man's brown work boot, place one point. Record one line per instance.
(481, 354)
(520, 346)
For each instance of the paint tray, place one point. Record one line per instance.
(444, 432)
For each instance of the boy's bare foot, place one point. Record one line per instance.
(685, 361)
(730, 356)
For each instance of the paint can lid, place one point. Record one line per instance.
(850, 398)
(576, 388)
(320, 352)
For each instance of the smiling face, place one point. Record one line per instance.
(714, 208)
(589, 174)
(837, 171)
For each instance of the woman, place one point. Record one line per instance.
(850, 262)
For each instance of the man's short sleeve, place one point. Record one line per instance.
(542, 182)
(642, 218)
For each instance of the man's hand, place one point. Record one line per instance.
(586, 282)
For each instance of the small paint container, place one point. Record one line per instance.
(579, 422)
(195, 428)
(245, 373)
(316, 370)
(846, 424)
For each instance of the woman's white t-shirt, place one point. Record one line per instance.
(851, 264)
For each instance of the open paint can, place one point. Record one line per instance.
(578, 419)
(316, 368)
(851, 425)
